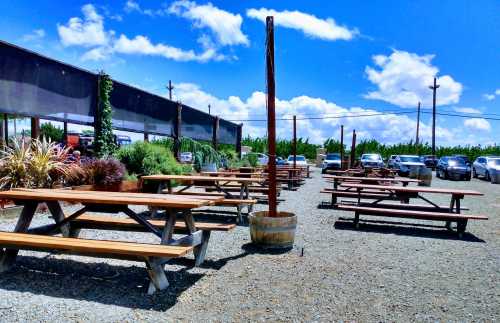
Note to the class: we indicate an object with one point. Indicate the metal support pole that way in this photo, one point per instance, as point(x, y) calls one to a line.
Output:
point(418, 124)
point(35, 128)
point(146, 136)
point(342, 147)
point(271, 116)
point(239, 134)
point(215, 133)
point(65, 132)
point(177, 132)
point(6, 128)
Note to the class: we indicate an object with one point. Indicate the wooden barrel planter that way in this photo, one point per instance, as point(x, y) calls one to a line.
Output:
point(272, 232)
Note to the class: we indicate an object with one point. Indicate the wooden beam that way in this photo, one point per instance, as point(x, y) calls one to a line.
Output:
point(177, 132)
point(239, 133)
point(215, 133)
point(35, 128)
point(271, 116)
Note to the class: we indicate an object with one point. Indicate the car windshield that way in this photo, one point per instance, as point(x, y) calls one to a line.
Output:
point(371, 157)
point(299, 158)
point(333, 157)
point(410, 159)
point(456, 162)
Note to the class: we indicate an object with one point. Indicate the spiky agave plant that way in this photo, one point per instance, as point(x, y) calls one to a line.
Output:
point(48, 164)
point(13, 167)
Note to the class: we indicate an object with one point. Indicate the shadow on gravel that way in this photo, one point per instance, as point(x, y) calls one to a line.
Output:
point(95, 282)
point(250, 248)
point(405, 229)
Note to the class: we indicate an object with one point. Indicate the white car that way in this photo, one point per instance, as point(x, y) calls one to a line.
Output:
point(299, 161)
point(372, 161)
point(332, 161)
point(186, 157)
point(486, 166)
point(404, 163)
point(263, 159)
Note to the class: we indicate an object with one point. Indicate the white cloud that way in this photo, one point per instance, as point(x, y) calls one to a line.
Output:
point(467, 110)
point(497, 92)
point(312, 26)
point(489, 97)
point(403, 79)
point(89, 32)
point(86, 32)
point(36, 34)
point(477, 124)
point(143, 46)
point(133, 6)
point(225, 25)
point(389, 128)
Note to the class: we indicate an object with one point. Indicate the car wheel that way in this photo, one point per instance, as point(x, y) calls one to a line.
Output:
point(445, 174)
point(467, 177)
point(438, 175)
point(323, 171)
point(474, 173)
point(487, 176)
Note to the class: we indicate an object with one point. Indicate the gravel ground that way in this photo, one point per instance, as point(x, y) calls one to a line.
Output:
point(381, 272)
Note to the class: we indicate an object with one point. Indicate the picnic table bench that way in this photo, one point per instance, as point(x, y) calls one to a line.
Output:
point(371, 194)
point(220, 185)
point(431, 211)
point(154, 255)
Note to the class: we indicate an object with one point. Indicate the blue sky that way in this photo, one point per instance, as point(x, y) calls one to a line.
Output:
point(333, 58)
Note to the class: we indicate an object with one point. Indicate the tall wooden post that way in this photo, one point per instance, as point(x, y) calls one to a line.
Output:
point(294, 141)
point(271, 116)
point(239, 134)
point(418, 126)
point(342, 147)
point(146, 136)
point(35, 128)
point(170, 87)
point(434, 88)
point(177, 132)
point(353, 149)
point(215, 133)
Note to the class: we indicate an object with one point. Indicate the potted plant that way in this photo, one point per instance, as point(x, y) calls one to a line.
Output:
point(205, 157)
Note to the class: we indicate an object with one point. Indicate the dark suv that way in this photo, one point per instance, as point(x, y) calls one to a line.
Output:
point(451, 167)
point(430, 161)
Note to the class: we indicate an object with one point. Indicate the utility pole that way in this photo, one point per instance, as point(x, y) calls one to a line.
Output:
point(418, 124)
point(353, 149)
point(342, 147)
point(434, 88)
point(271, 116)
point(209, 109)
point(170, 87)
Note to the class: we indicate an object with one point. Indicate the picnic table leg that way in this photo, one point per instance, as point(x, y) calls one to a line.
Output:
point(8, 256)
point(157, 275)
point(200, 250)
point(168, 230)
point(247, 196)
point(461, 226)
point(58, 216)
point(452, 205)
point(356, 220)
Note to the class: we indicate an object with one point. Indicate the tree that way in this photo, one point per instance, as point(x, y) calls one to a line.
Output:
point(49, 131)
point(104, 140)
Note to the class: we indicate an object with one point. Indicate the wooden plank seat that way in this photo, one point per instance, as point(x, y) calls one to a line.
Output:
point(416, 207)
point(460, 219)
point(372, 195)
point(152, 254)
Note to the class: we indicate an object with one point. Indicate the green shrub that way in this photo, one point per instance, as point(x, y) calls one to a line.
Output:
point(51, 132)
point(143, 158)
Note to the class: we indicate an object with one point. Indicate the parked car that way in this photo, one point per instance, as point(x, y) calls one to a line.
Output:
point(300, 160)
point(404, 163)
point(450, 167)
point(391, 161)
point(186, 157)
point(280, 161)
point(122, 140)
point(465, 158)
point(371, 161)
point(430, 161)
point(262, 159)
point(485, 166)
point(332, 161)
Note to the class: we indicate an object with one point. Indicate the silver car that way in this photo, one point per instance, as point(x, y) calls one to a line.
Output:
point(405, 163)
point(372, 161)
point(485, 166)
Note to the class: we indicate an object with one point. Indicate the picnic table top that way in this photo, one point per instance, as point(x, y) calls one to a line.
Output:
point(203, 178)
point(417, 189)
point(374, 179)
point(114, 198)
point(224, 173)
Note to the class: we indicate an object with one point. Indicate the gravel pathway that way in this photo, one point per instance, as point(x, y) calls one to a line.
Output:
point(381, 272)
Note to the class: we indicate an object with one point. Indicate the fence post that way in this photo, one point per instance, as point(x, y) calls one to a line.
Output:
point(177, 132)
point(239, 131)
point(215, 133)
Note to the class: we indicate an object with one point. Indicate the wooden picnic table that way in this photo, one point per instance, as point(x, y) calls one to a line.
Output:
point(234, 174)
point(155, 256)
point(404, 194)
point(219, 182)
point(371, 180)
